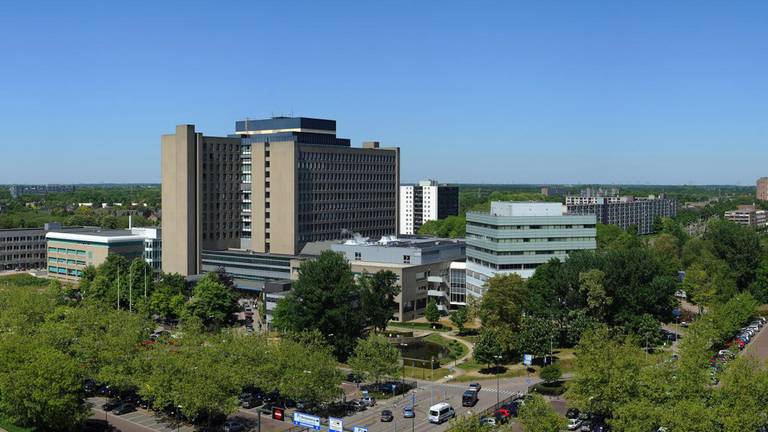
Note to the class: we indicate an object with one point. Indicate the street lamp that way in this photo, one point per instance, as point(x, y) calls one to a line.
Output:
point(178, 419)
point(498, 359)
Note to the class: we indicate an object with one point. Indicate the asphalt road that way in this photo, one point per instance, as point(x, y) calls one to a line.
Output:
point(427, 395)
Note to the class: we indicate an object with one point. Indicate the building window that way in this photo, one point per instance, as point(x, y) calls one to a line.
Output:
point(358, 256)
point(406, 259)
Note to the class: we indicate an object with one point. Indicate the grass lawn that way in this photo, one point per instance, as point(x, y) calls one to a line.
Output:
point(425, 373)
point(474, 371)
point(10, 427)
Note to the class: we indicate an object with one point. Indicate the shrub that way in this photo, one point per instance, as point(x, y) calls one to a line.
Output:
point(551, 373)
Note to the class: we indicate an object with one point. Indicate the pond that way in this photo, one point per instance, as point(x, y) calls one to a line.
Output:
point(423, 351)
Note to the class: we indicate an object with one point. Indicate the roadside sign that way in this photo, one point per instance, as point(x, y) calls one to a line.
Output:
point(527, 359)
point(278, 414)
point(360, 429)
point(306, 420)
point(335, 424)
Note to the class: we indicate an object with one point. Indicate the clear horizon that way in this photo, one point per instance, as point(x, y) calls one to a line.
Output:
point(643, 93)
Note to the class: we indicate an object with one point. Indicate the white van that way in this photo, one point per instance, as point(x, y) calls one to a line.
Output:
point(441, 412)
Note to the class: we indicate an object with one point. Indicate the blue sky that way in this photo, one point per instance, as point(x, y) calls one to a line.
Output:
point(480, 91)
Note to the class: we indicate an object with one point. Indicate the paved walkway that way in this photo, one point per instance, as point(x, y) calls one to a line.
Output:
point(456, 371)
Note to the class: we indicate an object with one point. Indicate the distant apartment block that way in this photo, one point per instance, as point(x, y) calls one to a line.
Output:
point(421, 266)
point(272, 187)
point(517, 237)
point(426, 201)
point(748, 215)
point(624, 211)
point(762, 189)
point(19, 190)
point(25, 248)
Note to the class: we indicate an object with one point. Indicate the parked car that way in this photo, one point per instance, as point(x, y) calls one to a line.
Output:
point(489, 421)
point(368, 400)
point(574, 424)
point(249, 402)
point(90, 387)
point(386, 416)
point(233, 426)
point(408, 412)
point(572, 413)
point(124, 408)
point(357, 405)
point(475, 386)
point(354, 378)
point(110, 405)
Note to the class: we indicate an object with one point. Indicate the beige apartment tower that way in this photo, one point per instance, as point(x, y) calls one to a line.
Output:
point(200, 197)
point(272, 187)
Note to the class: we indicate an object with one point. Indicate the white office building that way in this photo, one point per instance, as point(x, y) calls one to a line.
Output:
point(517, 237)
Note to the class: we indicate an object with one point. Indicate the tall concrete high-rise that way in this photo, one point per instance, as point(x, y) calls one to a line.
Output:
point(272, 187)
point(200, 197)
point(304, 184)
point(762, 189)
point(425, 202)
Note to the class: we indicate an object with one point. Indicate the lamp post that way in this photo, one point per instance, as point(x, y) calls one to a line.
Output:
point(498, 359)
point(432, 379)
point(178, 417)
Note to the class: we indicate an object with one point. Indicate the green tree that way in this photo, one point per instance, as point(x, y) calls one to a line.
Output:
point(39, 386)
point(212, 302)
point(488, 349)
point(551, 373)
point(468, 423)
point(538, 416)
point(742, 396)
point(606, 372)
point(325, 297)
point(536, 336)
point(305, 373)
point(195, 373)
point(375, 358)
point(591, 284)
point(459, 318)
point(738, 246)
point(503, 301)
point(431, 313)
point(378, 292)
point(666, 247)
point(759, 288)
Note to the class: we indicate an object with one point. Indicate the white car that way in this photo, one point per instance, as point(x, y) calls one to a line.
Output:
point(574, 424)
